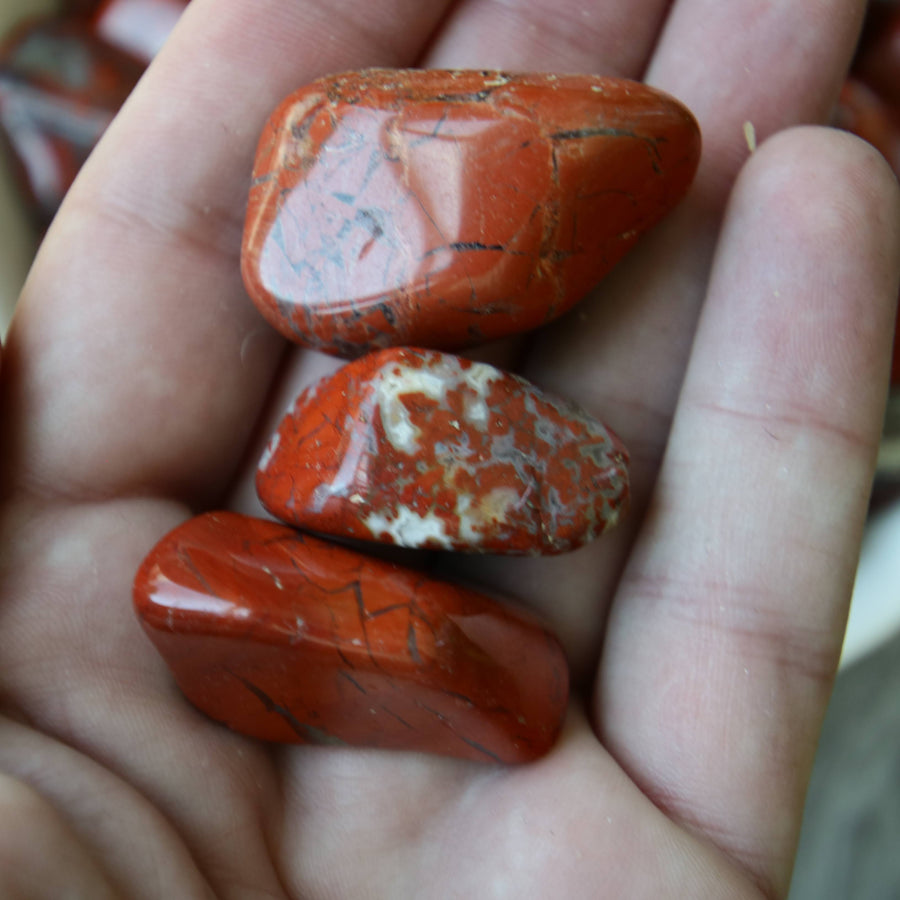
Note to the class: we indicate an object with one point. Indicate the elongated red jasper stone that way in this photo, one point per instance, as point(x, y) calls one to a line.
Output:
point(286, 638)
point(446, 208)
point(423, 449)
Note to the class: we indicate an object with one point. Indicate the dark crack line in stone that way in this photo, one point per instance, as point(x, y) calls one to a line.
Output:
point(459, 246)
point(188, 562)
point(583, 133)
point(476, 746)
point(385, 610)
point(394, 715)
point(430, 218)
point(439, 124)
point(343, 656)
point(307, 732)
point(352, 681)
point(468, 97)
point(577, 134)
point(412, 646)
point(417, 611)
point(468, 700)
point(363, 614)
point(448, 725)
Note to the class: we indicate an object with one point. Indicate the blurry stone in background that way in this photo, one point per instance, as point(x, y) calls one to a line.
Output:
point(60, 87)
point(869, 106)
point(866, 113)
point(66, 66)
point(877, 61)
point(62, 80)
point(139, 27)
point(85, 8)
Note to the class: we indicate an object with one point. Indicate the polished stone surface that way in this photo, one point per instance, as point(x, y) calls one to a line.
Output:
point(424, 449)
point(444, 209)
point(287, 638)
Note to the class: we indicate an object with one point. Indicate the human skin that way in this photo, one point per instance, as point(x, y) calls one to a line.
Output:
point(741, 352)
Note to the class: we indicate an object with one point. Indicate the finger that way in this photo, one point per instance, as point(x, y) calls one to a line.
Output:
point(772, 64)
point(610, 38)
point(75, 825)
point(557, 828)
point(621, 353)
point(134, 324)
point(121, 750)
point(650, 302)
point(41, 857)
point(726, 631)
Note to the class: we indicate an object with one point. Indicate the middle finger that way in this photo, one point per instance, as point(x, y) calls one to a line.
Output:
point(609, 38)
point(621, 353)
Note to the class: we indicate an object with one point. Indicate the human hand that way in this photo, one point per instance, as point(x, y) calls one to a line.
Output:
point(740, 354)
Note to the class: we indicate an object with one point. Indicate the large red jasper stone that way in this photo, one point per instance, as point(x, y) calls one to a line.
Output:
point(423, 449)
point(446, 208)
point(287, 638)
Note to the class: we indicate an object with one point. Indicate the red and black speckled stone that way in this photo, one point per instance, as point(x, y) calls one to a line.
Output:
point(423, 449)
point(287, 638)
point(444, 208)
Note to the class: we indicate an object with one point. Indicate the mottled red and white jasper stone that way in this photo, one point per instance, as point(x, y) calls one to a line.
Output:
point(424, 449)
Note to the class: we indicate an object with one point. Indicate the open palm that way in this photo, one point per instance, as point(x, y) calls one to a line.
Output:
point(740, 351)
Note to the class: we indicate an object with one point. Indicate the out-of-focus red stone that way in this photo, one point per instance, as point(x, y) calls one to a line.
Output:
point(442, 208)
point(864, 112)
point(60, 87)
point(870, 100)
point(286, 638)
point(870, 116)
point(423, 449)
point(85, 8)
point(139, 27)
point(877, 60)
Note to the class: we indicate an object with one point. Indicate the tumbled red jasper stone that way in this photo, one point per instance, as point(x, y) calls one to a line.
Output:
point(445, 208)
point(423, 449)
point(287, 638)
